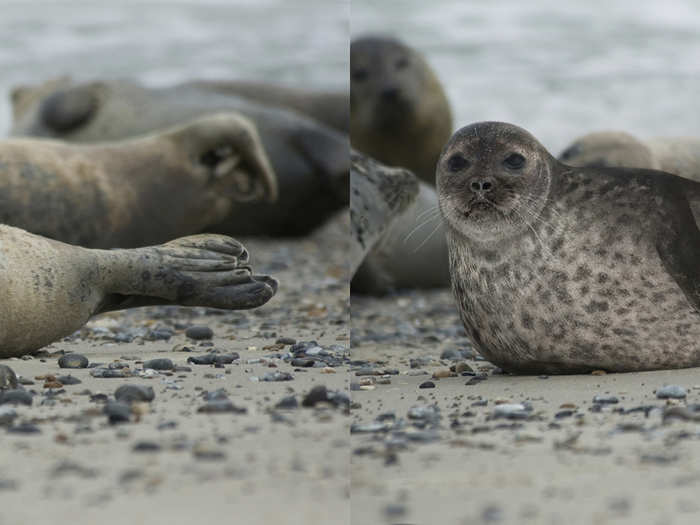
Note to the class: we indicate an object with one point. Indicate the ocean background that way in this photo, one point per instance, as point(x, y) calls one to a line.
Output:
point(298, 42)
point(558, 68)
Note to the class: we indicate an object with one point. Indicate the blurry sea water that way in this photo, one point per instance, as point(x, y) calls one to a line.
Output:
point(298, 42)
point(558, 68)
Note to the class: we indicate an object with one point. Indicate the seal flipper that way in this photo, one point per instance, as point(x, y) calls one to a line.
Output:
point(199, 270)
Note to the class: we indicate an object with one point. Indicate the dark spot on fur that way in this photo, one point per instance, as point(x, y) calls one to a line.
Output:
point(596, 306)
point(582, 272)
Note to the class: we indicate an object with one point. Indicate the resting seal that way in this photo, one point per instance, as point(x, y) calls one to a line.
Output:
point(559, 269)
point(310, 159)
point(399, 112)
point(134, 192)
point(680, 156)
point(51, 289)
point(377, 196)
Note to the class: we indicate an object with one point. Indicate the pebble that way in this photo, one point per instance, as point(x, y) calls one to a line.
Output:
point(317, 394)
point(213, 359)
point(671, 392)
point(463, 367)
point(221, 407)
point(207, 453)
point(287, 402)
point(7, 415)
point(286, 341)
point(117, 412)
point(16, 396)
point(427, 384)
point(605, 400)
point(199, 332)
point(24, 428)
point(110, 373)
point(159, 364)
point(8, 378)
point(73, 361)
point(146, 446)
point(277, 376)
point(132, 393)
point(68, 380)
point(443, 373)
point(511, 411)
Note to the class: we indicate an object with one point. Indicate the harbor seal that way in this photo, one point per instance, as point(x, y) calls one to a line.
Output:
point(50, 289)
point(558, 269)
point(399, 113)
point(311, 160)
point(680, 156)
point(377, 196)
point(134, 192)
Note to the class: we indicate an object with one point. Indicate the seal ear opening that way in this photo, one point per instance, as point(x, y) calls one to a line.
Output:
point(65, 111)
point(223, 163)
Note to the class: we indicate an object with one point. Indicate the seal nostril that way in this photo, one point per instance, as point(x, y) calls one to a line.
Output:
point(476, 186)
point(486, 186)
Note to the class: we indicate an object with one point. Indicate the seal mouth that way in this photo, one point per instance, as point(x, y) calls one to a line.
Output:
point(480, 206)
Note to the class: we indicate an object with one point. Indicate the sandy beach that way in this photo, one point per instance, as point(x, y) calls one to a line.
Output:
point(212, 446)
point(484, 447)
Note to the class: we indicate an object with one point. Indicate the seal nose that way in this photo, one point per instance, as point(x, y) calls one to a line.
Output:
point(390, 94)
point(481, 186)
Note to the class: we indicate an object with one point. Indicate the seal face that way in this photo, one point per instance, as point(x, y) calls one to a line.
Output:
point(559, 269)
point(492, 185)
point(399, 112)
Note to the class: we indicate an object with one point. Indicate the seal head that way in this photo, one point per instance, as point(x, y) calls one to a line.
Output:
point(493, 180)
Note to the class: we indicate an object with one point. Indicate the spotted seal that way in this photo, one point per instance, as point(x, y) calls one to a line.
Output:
point(50, 289)
point(135, 192)
point(558, 269)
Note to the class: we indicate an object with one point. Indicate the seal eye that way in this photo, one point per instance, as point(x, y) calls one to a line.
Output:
point(360, 75)
point(457, 163)
point(402, 63)
point(514, 161)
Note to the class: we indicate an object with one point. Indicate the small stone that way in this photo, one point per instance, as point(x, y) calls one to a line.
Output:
point(24, 428)
point(277, 376)
point(17, 397)
point(605, 400)
point(303, 362)
point(671, 392)
point(7, 415)
point(117, 412)
point(109, 373)
point(443, 373)
point(287, 402)
point(427, 384)
point(68, 380)
point(133, 393)
point(221, 407)
point(199, 332)
point(159, 364)
point(8, 378)
point(511, 411)
point(208, 454)
point(73, 361)
point(463, 367)
point(317, 394)
point(213, 359)
point(286, 341)
point(146, 446)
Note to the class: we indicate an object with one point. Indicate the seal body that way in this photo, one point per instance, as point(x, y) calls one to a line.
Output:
point(399, 113)
point(310, 159)
point(50, 289)
point(558, 269)
point(680, 155)
point(134, 192)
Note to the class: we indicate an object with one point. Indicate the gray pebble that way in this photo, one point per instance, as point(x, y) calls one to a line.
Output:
point(199, 332)
point(671, 392)
point(221, 407)
point(8, 378)
point(605, 400)
point(277, 376)
point(286, 341)
point(159, 364)
point(146, 446)
point(24, 428)
point(68, 380)
point(7, 415)
point(73, 361)
point(287, 402)
point(117, 412)
point(131, 393)
point(109, 373)
point(16, 397)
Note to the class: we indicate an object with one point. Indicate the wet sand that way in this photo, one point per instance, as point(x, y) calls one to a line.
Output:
point(254, 464)
point(462, 453)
